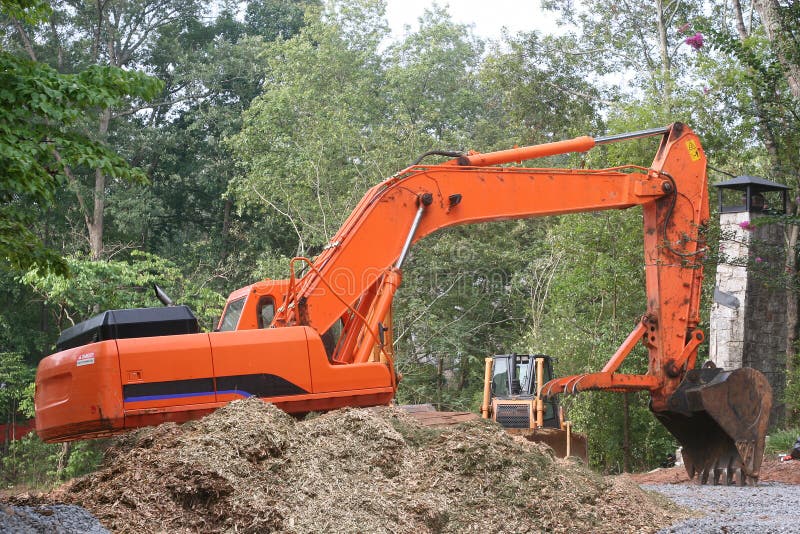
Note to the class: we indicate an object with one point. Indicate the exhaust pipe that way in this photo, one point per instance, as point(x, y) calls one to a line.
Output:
point(162, 296)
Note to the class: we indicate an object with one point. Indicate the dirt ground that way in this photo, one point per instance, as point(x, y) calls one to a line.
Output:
point(772, 470)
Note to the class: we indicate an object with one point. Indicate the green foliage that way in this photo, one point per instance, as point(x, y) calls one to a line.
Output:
point(30, 462)
point(114, 284)
point(33, 463)
point(26, 406)
point(792, 394)
point(314, 127)
point(781, 441)
point(39, 141)
point(83, 457)
point(15, 377)
point(30, 11)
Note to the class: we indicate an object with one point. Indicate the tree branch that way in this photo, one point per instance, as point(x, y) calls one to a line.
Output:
point(75, 188)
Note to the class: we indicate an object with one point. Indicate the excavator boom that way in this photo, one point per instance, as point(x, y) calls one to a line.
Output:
point(319, 341)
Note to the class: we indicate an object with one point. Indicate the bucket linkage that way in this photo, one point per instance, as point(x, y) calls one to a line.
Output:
point(720, 418)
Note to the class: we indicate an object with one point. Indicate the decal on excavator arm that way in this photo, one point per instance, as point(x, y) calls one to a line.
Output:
point(694, 152)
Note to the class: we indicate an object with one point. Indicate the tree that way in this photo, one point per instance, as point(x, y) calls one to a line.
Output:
point(756, 78)
point(781, 28)
point(644, 40)
point(113, 35)
point(41, 142)
point(15, 376)
point(311, 142)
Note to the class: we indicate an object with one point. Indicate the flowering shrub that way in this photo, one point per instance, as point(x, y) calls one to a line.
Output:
point(695, 41)
point(746, 225)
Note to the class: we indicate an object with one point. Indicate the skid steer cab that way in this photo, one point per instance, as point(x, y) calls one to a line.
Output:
point(511, 397)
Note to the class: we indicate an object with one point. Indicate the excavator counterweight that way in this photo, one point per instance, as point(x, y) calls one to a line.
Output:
point(320, 341)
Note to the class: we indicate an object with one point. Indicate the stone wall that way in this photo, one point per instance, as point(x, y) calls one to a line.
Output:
point(765, 318)
point(726, 336)
point(748, 327)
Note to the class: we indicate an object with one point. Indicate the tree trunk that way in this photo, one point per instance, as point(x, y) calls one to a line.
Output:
point(666, 63)
point(62, 459)
point(439, 382)
point(781, 36)
point(95, 226)
point(762, 117)
point(626, 433)
point(791, 236)
point(226, 227)
point(463, 373)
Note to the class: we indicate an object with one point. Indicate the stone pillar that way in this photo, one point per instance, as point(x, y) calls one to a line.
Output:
point(748, 327)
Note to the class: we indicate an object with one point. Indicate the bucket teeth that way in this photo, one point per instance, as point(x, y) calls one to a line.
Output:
point(720, 418)
point(727, 468)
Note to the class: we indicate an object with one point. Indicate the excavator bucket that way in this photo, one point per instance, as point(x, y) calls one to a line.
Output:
point(720, 418)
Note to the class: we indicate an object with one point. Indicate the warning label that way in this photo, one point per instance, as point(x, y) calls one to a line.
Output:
point(85, 359)
point(694, 152)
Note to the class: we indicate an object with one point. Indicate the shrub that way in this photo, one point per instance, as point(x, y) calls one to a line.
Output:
point(781, 441)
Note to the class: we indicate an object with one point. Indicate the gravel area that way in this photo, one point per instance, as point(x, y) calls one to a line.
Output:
point(55, 519)
point(770, 507)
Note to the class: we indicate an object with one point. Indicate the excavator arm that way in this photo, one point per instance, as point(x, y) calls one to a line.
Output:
point(359, 272)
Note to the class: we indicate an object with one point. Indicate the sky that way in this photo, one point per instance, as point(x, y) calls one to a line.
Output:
point(489, 17)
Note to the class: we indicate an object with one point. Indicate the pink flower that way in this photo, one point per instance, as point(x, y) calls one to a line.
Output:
point(695, 41)
point(746, 225)
point(706, 90)
point(683, 28)
point(759, 260)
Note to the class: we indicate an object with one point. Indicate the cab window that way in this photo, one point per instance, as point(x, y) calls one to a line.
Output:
point(500, 378)
point(266, 311)
point(523, 374)
point(232, 314)
point(331, 338)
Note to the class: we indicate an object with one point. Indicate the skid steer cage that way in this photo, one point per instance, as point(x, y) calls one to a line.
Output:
point(720, 418)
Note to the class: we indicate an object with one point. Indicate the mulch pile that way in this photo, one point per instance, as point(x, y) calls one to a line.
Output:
point(249, 467)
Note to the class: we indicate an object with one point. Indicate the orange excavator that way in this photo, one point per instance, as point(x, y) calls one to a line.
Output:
point(323, 340)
